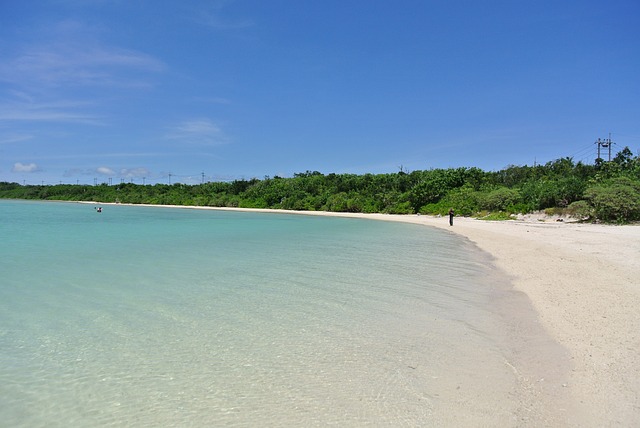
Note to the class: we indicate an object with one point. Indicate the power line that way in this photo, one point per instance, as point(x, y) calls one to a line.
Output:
point(585, 152)
point(606, 144)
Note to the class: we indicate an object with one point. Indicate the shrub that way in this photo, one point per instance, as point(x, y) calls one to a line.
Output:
point(399, 208)
point(580, 209)
point(463, 200)
point(500, 199)
point(617, 200)
point(554, 211)
point(499, 215)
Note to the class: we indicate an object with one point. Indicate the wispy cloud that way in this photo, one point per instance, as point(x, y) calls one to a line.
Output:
point(69, 54)
point(215, 21)
point(199, 131)
point(134, 172)
point(215, 17)
point(22, 167)
point(97, 156)
point(60, 111)
point(14, 138)
point(70, 58)
point(107, 171)
point(75, 65)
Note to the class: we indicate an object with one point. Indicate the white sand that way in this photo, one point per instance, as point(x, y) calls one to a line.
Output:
point(584, 282)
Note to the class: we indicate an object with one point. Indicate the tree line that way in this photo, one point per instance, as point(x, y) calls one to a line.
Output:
point(604, 191)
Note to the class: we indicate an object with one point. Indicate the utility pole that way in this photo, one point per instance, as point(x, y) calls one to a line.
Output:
point(202, 177)
point(605, 144)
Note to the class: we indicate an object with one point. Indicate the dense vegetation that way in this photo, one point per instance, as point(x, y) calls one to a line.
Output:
point(605, 191)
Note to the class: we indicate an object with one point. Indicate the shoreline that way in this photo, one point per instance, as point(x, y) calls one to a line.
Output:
point(582, 280)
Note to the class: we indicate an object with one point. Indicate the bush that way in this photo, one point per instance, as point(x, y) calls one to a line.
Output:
point(580, 209)
point(500, 199)
point(617, 200)
point(399, 208)
point(495, 216)
point(554, 211)
point(463, 200)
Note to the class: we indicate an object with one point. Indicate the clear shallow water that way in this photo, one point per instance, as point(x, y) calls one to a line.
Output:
point(166, 316)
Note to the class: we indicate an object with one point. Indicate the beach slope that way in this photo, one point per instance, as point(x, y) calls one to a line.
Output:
point(584, 282)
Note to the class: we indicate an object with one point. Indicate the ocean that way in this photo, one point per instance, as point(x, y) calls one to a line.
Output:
point(153, 316)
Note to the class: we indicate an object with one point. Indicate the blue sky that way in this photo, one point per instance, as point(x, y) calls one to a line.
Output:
point(122, 90)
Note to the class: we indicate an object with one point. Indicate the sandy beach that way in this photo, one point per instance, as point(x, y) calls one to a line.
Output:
point(583, 281)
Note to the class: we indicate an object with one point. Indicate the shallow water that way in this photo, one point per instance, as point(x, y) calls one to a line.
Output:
point(166, 316)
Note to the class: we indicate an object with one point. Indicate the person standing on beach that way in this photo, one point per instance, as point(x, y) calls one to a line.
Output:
point(451, 217)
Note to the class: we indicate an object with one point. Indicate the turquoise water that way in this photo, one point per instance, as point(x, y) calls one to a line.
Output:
point(142, 316)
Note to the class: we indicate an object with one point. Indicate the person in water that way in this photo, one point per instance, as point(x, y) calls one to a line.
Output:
point(451, 217)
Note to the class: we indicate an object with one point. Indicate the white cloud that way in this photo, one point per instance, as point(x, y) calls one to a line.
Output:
point(103, 170)
point(134, 172)
point(200, 131)
point(21, 167)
